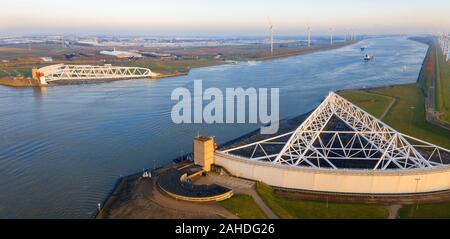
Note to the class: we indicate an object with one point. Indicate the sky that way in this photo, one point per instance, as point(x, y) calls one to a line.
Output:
point(227, 17)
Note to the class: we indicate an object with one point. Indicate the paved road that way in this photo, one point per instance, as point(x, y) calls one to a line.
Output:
point(388, 108)
point(393, 211)
point(258, 200)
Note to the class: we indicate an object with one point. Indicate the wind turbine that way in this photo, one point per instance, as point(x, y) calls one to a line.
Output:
point(309, 36)
point(448, 53)
point(271, 36)
point(448, 48)
point(331, 36)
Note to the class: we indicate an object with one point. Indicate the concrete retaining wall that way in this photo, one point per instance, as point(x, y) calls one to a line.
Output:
point(344, 181)
point(215, 198)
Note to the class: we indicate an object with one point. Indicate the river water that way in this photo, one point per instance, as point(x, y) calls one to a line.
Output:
point(63, 148)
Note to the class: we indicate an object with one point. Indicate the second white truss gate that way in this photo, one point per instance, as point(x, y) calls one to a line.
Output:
point(88, 72)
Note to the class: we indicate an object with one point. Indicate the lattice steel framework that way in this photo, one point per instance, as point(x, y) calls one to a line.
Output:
point(88, 72)
point(444, 43)
point(364, 138)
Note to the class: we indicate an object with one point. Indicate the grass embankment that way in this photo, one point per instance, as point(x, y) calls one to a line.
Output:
point(17, 81)
point(407, 114)
point(442, 86)
point(244, 207)
point(426, 211)
point(373, 103)
point(16, 76)
point(291, 208)
point(13, 72)
point(173, 67)
point(283, 53)
point(428, 71)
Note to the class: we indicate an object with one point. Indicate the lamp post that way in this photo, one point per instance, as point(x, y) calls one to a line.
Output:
point(417, 187)
point(411, 116)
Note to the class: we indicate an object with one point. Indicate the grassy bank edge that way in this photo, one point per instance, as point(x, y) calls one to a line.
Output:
point(303, 209)
point(425, 211)
point(243, 206)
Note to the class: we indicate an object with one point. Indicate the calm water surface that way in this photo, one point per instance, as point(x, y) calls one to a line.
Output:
point(62, 149)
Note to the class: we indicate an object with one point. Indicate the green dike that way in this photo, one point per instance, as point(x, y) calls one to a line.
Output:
point(172, 67)
point(243, 206)
point(407, 115)
point(373, 103)
point(25, 72)
point(442, 86)
point(425, 211)
point(292, 208)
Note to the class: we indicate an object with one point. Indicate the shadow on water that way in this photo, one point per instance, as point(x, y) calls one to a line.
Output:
point(40, 92)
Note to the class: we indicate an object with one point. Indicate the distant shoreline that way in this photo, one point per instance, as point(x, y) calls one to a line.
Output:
point(299, 52)
point(29, 82)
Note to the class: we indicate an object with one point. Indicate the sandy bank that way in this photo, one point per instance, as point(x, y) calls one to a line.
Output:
point(18, 82)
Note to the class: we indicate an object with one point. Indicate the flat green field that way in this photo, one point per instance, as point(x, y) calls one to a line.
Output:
point(244, 207)
point(442, 86)
point(407, 115)
point(426, 211)
point(291, 208)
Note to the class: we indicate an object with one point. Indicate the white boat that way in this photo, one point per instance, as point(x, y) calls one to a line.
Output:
point(252, 63)
point(368, 57)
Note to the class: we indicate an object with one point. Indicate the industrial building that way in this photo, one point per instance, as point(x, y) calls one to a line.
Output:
point(121, 54)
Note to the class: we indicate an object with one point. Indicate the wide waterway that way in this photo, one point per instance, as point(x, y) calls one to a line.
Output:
point(63, 148)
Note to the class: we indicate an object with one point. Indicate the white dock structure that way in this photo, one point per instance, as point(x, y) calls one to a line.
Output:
point(61, 72)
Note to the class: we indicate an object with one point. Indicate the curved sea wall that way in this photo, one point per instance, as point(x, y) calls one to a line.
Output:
point(338, 181)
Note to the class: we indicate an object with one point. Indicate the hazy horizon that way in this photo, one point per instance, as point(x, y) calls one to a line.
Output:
point(206, 18)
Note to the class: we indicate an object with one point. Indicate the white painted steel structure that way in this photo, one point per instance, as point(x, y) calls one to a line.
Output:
point(89, 72)
point(444, 43)
point(397, 182)
point(313, 145)
point(310, 157)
